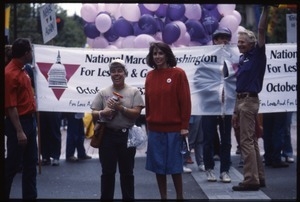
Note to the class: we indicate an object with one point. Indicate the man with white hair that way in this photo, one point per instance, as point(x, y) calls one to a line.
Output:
point(250, 76)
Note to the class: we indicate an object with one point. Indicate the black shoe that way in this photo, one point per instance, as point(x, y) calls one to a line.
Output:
point(46, 162)
point(85, 157)
point(246, 187)
point(72, 159)
point(262, 183)
point(268, 164)
point(280, 164)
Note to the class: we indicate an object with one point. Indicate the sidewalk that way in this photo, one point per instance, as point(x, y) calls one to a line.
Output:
point(82, 180)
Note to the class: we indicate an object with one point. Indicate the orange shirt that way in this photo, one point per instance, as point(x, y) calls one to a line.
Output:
point(18, 90)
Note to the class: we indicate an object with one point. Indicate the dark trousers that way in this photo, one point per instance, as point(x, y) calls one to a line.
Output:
point(113, 152)
point(50, 123)
point(274, 125)
point(75, 136)
point(25, 156)
point(209, 125)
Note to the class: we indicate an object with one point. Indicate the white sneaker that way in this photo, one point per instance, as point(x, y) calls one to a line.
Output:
point(186, 169)
point(201, 167)
point(225, 177)
point(55, 162)
point(211, 176)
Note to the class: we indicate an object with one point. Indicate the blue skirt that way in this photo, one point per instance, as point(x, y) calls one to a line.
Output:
point(163, 153)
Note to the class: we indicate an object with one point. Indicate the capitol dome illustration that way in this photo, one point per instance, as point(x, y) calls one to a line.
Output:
point(57, 75)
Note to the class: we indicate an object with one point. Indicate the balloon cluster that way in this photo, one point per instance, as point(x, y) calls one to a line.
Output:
point(136, 25)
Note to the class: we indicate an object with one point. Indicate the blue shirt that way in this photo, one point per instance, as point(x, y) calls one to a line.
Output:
point(251, 70)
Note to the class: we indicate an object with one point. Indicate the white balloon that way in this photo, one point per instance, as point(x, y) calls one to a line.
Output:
point(118, 42)
point(100, 42)
point(143, 41)
point(101, 7)
point(89, 12)
point(103, 22)
point(193, 11)
point(230, 22)
point(130, 12)
point(237, 15)
point(111, 8)
point(183, 41)
point(112, 47)
point(128, 42)
point(225, 9)
point(152, 7)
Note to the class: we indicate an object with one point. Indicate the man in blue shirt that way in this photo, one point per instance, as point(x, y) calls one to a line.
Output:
point(249, 82)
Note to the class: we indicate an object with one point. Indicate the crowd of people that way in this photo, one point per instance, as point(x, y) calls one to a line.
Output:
point(168, 122)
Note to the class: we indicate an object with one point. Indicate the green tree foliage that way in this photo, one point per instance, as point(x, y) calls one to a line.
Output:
point(27, 24)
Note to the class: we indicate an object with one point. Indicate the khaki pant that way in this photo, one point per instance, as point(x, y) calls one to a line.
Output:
point(246, 110)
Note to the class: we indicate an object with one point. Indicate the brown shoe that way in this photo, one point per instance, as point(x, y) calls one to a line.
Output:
point(246, 187)
point(189, 160)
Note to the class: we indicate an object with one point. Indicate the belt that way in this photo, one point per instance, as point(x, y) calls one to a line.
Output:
point(123, 130)
point(243, 95)
point(26, 116)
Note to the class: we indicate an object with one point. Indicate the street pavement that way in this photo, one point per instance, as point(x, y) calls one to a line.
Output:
point(81, 180)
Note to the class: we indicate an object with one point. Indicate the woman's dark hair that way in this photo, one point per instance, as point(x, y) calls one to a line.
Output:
point(165, 48)
point(20, 47)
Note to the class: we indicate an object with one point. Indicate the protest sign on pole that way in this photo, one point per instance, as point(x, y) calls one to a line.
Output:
point(48, 22)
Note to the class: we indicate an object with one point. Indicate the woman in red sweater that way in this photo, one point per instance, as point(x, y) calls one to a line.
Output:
point(168, 110)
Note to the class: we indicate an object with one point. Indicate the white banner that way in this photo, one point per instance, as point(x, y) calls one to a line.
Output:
point(48, 22)
point(68, 79)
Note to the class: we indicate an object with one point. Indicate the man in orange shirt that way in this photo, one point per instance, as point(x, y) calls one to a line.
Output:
point(20, 124)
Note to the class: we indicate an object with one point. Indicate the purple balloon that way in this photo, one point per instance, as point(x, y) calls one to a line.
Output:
point(203, 40)
point(144, 10)
point(215, 13)
point(170, 33)
point(183, 19)
point(210, 24)
point(211, 13)
point(91, 31)
point(136, 29)
point(161, 12)
point(209, 6)
point(175, 11)
point(147, 23)
point(159, 24)
point(122, 27)
point(110, 35)
point(195, 29)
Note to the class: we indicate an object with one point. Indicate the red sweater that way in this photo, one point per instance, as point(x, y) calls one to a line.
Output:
point(168, 100)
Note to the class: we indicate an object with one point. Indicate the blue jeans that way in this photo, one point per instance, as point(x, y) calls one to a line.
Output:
point(75, 136)
point(287, 149)
point(274, 125)
point(112, 153)
point(209, 125)
point(196, 138)
point(26, 156)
